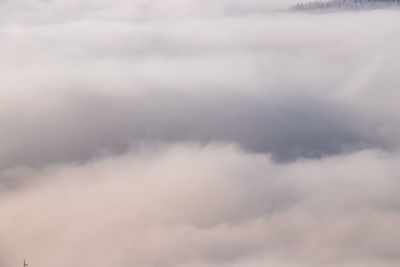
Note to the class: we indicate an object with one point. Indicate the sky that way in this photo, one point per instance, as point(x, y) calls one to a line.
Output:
point(198, 133)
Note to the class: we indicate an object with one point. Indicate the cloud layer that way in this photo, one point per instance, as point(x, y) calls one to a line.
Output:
point(189, 205)
point(198, 133)
point(287, 84)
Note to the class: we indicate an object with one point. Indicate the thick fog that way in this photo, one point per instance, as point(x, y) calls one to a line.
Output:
point(199, 133)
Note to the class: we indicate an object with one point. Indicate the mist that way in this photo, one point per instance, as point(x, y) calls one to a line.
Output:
point(198, 133)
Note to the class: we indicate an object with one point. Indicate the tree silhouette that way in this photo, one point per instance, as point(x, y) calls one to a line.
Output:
point(346, 4)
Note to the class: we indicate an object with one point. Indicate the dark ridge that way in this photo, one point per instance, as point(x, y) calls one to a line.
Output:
point(346, 4)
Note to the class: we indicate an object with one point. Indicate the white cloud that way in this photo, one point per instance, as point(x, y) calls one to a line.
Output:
point(293, 84)
point(114, 114)
point(189, 205)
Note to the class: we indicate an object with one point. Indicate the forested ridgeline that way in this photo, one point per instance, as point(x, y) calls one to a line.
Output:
point(346, 4)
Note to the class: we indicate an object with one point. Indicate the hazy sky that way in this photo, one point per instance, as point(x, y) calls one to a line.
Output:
point(198, 133)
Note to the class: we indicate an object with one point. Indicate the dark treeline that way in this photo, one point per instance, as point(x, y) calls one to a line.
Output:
point(346, 4)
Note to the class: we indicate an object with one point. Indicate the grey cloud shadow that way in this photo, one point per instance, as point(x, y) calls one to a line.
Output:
point(89, 124)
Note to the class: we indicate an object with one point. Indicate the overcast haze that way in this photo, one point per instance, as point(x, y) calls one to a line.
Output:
point(199, 133)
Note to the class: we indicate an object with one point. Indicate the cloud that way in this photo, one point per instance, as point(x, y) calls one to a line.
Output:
point(50, 11)
point(290, 84)
point(198, 133)
point(189, 205)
